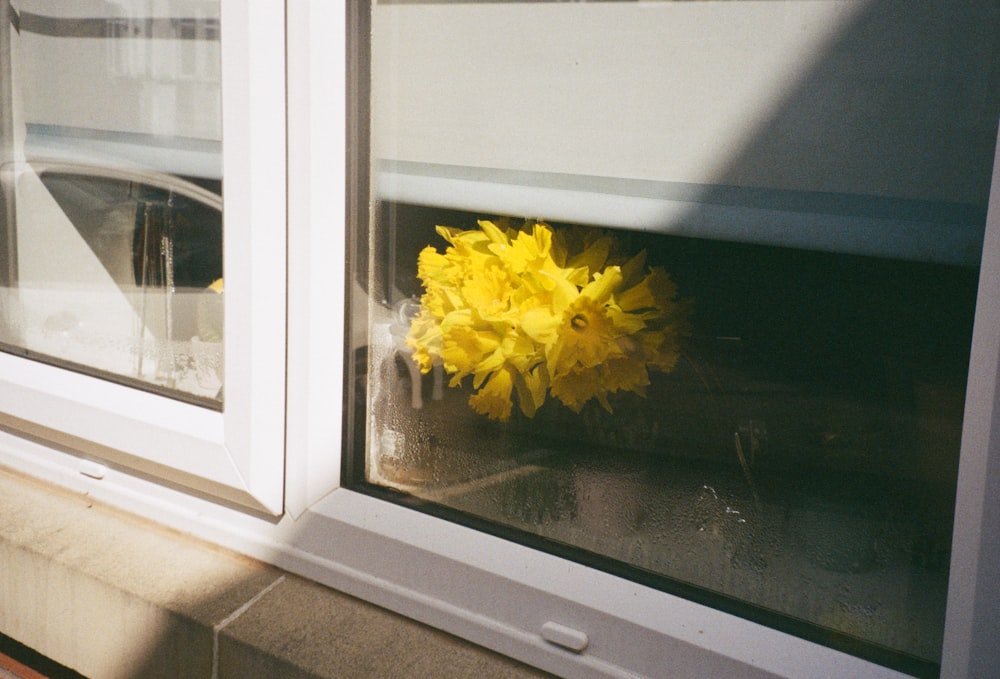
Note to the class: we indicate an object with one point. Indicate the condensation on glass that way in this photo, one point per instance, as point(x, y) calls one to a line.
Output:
point(684, 291)
point(111, 220)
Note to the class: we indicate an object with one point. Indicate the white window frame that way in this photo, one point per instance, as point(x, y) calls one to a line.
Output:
point(474, 585)
point(501, 594)
point(235, 455)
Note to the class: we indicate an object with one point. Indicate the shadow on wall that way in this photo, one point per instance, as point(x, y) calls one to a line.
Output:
point(903, 103)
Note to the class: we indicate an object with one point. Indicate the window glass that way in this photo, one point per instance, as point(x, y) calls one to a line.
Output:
point(111, 229)
point(684, 292)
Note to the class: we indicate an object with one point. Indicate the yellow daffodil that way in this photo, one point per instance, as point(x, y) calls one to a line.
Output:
point(540, 311)
point(488, 290)
point(493, 400)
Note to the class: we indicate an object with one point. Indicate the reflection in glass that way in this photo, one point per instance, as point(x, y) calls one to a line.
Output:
point(111, 169)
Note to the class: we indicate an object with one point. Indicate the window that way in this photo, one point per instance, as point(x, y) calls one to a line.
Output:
point(120, 126)
point(695, 312)
point(114, 217)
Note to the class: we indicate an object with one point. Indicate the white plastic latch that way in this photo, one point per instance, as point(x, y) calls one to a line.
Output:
point(94, 470)
point(567, 637)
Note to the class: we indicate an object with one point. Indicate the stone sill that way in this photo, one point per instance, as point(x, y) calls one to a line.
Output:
point(114, 596)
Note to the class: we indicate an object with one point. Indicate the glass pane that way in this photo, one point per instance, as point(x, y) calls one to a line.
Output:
point(111, 238)
point(688, 304)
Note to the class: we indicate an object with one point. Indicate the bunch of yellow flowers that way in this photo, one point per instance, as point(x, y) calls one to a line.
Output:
point(542, 311)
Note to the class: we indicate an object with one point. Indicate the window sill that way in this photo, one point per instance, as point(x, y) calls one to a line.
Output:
point(112, 595)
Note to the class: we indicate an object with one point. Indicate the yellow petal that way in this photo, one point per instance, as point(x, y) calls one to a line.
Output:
point(604, 284)
point(463, 346)
point(541, 324)
point(493, 232)
point(424, 337)
point(487, 366)
point(531, 387)
point(595, 256)
point(656, 291)
point(576, 387)
point(488, 290)
point(625, 374)
point(493, 400)
point(632, 269)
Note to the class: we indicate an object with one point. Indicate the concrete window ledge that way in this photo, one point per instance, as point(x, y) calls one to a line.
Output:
point(114, 596)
